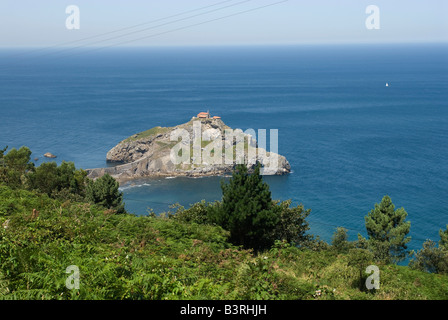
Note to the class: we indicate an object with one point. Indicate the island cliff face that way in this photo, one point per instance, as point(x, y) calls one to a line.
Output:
point(150, 153)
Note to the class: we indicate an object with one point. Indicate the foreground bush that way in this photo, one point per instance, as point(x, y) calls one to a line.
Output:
point(122, 256)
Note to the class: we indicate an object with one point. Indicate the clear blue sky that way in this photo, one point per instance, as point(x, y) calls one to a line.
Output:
point(42, 23)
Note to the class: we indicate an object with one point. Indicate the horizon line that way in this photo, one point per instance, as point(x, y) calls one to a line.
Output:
point(329, 43)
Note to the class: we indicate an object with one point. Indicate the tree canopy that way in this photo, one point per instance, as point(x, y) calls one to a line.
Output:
point(105, 192)
point(387, 230)
point(247, 209)
point(14, 165)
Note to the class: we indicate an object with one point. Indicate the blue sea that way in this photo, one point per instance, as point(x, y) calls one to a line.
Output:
point(349, 138)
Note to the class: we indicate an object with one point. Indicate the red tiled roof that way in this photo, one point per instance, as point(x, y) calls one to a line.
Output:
point(203, 115)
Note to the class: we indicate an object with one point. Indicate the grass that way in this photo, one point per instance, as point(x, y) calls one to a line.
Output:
point(165, 145)
point(148, 133)
point(162, 130)
point(144, 257)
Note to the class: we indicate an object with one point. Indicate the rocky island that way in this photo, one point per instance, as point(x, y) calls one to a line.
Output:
point(204, 150)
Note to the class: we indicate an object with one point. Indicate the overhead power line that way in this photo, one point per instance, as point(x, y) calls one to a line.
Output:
point(70, 51)
point(118, 30)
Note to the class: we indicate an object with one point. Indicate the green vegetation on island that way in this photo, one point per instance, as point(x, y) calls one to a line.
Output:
point(246, 246)
point(148, 133)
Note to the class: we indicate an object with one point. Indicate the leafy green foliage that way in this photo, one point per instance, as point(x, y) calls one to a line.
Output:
point(340, 240)
point(291, 225)
point(432, 258)
point(50, 179)
point(46, 226)
point(443, 238)
point(104, 191)
point(14, 165)
point(247, 210)
point(287, 223)
point(360, 259)
point(198, 212)
point(18, 160)
point(142, 257)
point(2, 153)
point(17, 171)
point(387, 231)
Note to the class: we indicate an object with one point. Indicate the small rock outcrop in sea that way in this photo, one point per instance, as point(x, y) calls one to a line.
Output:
point(49, 155)
point(153, 152)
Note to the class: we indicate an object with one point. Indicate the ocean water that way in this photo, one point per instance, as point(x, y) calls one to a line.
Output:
point(350, 140)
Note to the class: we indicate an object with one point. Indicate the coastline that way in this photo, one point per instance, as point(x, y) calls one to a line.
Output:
point(208, 147)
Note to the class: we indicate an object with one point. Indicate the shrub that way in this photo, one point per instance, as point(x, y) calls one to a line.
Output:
point(431, 258)
point(340, 240)
point(198, 212)
point(14, 165)
point(247, 210)
point(292, 225)
point(387, 230)
point(53, 180)
point(360, 259)
point(105, 192)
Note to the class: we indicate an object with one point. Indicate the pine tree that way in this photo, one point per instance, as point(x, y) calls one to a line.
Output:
point(247, 210)
point(387, 230)
point(444, 238)
point(340, 240)
point(14, 165)
point(104, 191)
point(50, 179)
point(431, 258)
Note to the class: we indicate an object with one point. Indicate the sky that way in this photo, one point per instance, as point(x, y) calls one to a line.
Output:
point(30, 23)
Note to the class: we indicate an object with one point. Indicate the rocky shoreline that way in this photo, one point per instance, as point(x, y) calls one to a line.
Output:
point(150, 153)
